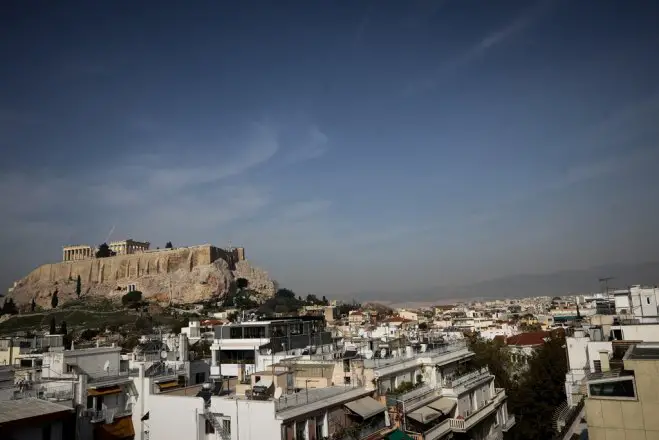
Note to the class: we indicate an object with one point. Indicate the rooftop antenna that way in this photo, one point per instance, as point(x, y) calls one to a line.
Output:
point(606, 280)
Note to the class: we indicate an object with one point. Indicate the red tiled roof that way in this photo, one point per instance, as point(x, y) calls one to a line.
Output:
point(526, 339)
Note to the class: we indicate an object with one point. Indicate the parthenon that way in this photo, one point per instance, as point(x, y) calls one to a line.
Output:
point(77, 252)
point(85, 252)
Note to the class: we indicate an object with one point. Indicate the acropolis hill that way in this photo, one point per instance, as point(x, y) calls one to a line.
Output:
point(182, 275)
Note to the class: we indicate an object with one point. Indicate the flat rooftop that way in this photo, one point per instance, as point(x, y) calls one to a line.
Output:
point(13, 410)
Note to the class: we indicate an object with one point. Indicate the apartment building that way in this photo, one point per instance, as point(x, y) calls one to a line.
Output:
point(623, 400)
point(304, 415)
point(240, 349)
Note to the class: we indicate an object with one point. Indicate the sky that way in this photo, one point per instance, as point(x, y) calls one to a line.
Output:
point(349, 146)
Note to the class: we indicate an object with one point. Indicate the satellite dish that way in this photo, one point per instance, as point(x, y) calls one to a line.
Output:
point(278, 393)
point(106, 366)
point(163, 354)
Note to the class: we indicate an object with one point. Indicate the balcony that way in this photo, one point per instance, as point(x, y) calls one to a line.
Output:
point(496, 435)
point(107, 415)
point(509, 423)
point(461, 384)
point(446, 353)
point(473, 417)
point(438, 431)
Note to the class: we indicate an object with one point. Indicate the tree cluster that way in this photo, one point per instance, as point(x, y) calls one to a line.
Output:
point(104, 251)
point(539, 390)
point(9, 307)
point(132, 299)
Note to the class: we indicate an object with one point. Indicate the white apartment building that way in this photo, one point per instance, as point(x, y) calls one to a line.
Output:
point(309, 415)
point(240, 349)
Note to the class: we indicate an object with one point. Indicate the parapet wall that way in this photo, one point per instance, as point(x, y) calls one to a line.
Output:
point(107, 270)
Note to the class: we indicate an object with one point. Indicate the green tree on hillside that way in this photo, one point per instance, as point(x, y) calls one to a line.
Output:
point(169, 245)
point(53, 328)
point(54, 300)
point(9, 307)
point(132, 299)
point(325, 301)
point(33, 305)
point(78, 287)
point(62, 328)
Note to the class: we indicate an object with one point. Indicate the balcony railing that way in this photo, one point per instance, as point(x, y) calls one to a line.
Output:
point(472, 417)
point(107, 376)
point(55, 393)
point(107, 415)
point(466, 381)
point(412, 360)
point(496, 435)
point(438, 431)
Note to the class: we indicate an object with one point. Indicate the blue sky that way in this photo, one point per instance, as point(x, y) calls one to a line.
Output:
point(349, 146)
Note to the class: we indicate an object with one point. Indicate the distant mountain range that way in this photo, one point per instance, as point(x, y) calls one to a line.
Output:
point(516, 286)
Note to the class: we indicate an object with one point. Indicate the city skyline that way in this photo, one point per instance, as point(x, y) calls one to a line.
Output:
point(349, 147)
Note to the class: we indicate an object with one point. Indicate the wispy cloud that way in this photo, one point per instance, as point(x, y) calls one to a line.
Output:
point(489, 41)
point(162, 197)
point(311, 144)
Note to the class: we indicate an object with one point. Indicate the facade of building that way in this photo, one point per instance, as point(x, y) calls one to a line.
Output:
point(77, 252)
point(240, 349)
point(36, 419)
point(623, 403)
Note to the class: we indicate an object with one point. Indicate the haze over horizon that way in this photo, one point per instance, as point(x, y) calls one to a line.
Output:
point(348, 146)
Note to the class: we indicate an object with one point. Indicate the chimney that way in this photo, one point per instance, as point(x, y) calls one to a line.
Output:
point(604, 361)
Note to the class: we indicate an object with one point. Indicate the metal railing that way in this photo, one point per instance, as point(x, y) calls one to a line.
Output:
point(55, 393)
point(304, 397)
point(472, 375)
point(432, 353)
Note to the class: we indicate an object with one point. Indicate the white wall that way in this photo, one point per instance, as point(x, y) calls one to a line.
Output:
point(577, 352)
point(594, 349)
point(181, 417)
point(175, 417)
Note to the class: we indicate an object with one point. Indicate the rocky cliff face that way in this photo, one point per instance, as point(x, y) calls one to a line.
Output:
point(185, 275)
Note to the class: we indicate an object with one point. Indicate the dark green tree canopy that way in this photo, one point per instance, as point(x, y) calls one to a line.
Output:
point(54, 300)
point(169, 245)
point(78, 287)
point(242, 283)
point(104, 251)
point(132, 299)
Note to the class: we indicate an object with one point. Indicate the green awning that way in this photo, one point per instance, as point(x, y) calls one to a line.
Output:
point(398, 435)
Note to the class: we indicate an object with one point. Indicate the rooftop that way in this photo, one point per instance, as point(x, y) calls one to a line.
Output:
point(13, 410)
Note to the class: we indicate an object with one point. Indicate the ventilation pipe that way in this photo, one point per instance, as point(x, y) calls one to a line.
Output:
point(182, 347)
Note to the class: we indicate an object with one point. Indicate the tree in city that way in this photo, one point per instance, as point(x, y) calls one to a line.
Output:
point(54, 299)
point(169, 245)
point(104, 251)
point(33, 305)
point(325, 301)
point(78, 287)
point(541, 390)
point(494, 355)
point(242, 283)
point(63, 329)
point(53, 327)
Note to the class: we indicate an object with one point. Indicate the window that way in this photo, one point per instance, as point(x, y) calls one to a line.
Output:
point(226, 425)
point(300, 430)
point(254, 332)
point(236, 333)
point(200, 377)
point(647, 300)
point(618, 387)
point(320, 421)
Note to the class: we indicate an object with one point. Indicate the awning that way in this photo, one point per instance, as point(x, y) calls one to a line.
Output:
point(168, 384)
point(443, 405)
point(120, 429)
point(366, 407)
point(424, 415)
point(104, 391)
point(398, 435)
